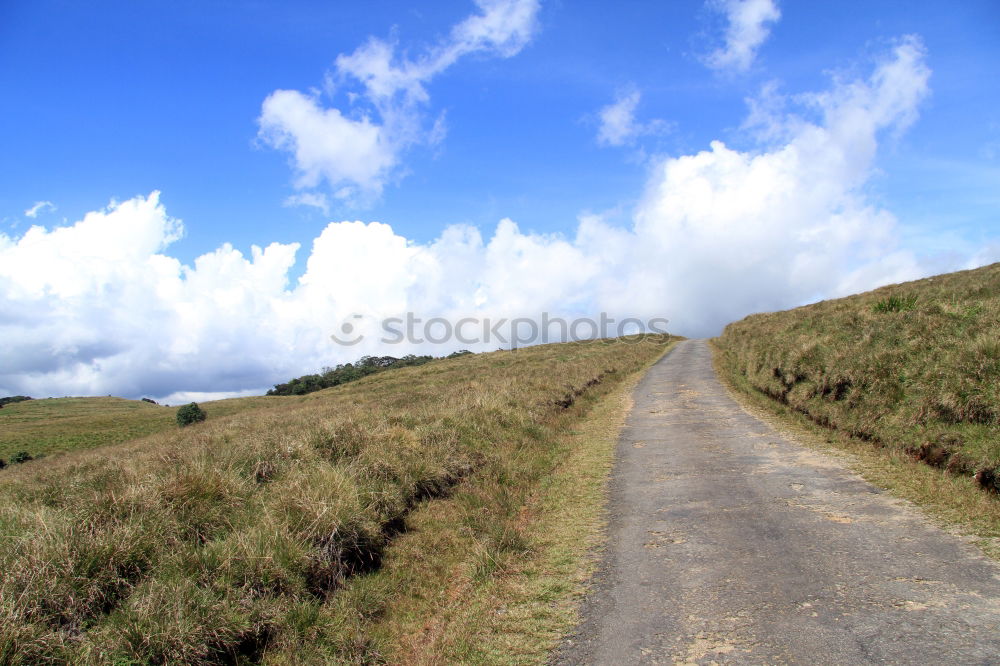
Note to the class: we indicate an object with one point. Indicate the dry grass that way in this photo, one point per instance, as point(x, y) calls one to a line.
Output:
point(912, 368)
point(323, 531)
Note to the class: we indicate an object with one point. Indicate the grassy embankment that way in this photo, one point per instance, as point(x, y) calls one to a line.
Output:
point(908, 372)
point(426, 515)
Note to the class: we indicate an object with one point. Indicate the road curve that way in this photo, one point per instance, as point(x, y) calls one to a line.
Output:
point(730, 544)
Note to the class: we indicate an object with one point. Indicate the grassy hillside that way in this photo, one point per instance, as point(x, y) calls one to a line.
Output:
point(913, 367)
point(357, 524)
point(52, 425)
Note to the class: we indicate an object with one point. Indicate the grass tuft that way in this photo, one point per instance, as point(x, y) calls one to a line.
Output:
point(895, 303)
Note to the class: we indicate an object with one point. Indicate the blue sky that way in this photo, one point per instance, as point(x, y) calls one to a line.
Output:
point(497, 111)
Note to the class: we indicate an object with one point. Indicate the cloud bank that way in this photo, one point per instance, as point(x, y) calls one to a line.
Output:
point(101, 307)
point(356, 152)
point(748, 26)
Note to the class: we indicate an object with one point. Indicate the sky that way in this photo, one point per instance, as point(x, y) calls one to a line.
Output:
point(195, 196)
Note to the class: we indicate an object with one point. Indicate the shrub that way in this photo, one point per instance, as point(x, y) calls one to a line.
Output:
point(20, 457)
point(150, 401)
point(190, 413)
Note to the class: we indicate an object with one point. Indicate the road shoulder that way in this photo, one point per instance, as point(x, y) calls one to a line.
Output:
point(953, 503)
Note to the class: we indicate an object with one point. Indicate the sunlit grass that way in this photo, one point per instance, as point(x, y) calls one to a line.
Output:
point(913, 370)
point(318, 531)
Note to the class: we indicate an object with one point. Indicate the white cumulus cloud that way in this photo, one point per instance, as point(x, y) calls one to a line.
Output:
point(747, 26)
point(356, 152)
point(326, 145)
point(101, 307)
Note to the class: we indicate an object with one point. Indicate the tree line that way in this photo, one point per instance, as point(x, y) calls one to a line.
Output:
point(348, 372)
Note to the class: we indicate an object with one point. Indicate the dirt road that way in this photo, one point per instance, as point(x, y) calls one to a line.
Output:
point(729, 544)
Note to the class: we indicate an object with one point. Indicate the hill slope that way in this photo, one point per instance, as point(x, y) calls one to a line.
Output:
point(54, 425)
point(259, 537)
point(914, 366)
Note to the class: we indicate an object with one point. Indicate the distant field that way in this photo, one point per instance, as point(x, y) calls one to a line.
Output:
point(913, 367)
point(53, 425)
point(434, 514)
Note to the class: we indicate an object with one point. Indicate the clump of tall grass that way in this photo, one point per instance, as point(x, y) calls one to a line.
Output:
point(259, 536)
point(919, 373)
point(895, 303)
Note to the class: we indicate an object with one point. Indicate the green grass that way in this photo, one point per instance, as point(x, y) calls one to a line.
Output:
point(895, 303)
point(376, 522)
point(912, 369)
point(54, 425)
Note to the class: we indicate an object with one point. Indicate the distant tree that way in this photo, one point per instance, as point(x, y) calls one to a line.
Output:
point(190, 413)
point(12, 399)
point(151, 401)
point(460, 352)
